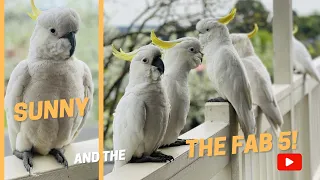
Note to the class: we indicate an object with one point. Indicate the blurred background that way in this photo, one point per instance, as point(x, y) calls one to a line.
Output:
point(128, 25)
point(19, 27)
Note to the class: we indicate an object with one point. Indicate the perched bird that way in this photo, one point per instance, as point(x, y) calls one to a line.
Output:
point(49, 73)
point(302, 60)
point(225, 69)
point(180, 57)
point(261, 85)
point(142, 114)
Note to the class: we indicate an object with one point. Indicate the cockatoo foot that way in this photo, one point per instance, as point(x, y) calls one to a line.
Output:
point(58, 155)
point(154, 157)
point(178, 142)
point(26, 157)
point(218, 99)
point(161, 155)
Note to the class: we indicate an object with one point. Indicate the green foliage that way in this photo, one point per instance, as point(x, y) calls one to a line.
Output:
point(248, 13)
point(309, 31)
point(309, 26)
point(199, 94)
point(263, 46)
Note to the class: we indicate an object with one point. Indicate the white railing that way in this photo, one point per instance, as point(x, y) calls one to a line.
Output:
point(46, 167)
point(221, 121)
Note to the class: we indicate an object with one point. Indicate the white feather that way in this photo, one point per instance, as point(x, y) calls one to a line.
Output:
point(49, 73)
point(261, 85)
point(179, 60)
point(226, 71)
point(141, 116)
point(303, 61)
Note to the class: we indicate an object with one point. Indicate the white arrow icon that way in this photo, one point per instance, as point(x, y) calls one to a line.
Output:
point(288, 162)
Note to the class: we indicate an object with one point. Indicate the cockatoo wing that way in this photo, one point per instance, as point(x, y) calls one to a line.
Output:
point(259, 78)
point(238, 90)
point(18, 81)
point(271, 109)
point(262, 91)
point(302, 56)
point(128, 127)
point(88, 92)
point(269, 106)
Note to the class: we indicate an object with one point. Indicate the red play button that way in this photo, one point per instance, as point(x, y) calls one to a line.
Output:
point(289, 162)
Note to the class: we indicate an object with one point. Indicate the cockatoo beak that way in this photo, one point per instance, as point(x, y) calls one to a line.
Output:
point(226, 19)
point(254, 31)
point(72, 39)
point(201, 56)
point(157, 62)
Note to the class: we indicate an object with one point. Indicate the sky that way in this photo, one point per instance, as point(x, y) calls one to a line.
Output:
point(303, 7)
point(122, 12)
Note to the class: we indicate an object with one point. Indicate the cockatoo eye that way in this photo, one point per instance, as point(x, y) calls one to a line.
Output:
point(145, 60)
point(208, 30)
point(52, 30)
point(191, 49)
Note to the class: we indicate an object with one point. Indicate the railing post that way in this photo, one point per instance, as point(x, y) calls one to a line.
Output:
point(314, 132)
point(303, 143)
point(283, 63)
point(235, 158)
point(282, 41)
point(224, 112)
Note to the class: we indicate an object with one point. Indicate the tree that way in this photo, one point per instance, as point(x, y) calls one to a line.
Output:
point(309, 31)
point(248, 13)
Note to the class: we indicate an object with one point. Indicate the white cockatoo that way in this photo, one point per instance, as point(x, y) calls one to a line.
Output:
point(180, 56)
point(49, 73)
point(261, 85)
point(225, 69)
point(142, 114)
point(302, 60)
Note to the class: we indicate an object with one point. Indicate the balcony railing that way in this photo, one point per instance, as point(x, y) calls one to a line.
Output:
point(46, 167)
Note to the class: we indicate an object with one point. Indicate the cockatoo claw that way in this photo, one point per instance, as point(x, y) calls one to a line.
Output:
point(26, 157)
point(144, 159)
point(218, 99)
point(163, 156)
point(154, 157)
point(297, 72)
point(58, 155)
point(178, 142)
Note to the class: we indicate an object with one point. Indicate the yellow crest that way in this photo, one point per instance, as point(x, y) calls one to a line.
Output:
point(35, 11)
point(295, 29)
point(162, 44)
point(122, 54)
point(254, 31)
point(226, 19)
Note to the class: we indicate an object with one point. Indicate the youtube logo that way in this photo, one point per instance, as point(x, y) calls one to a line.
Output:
point(289, 162)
